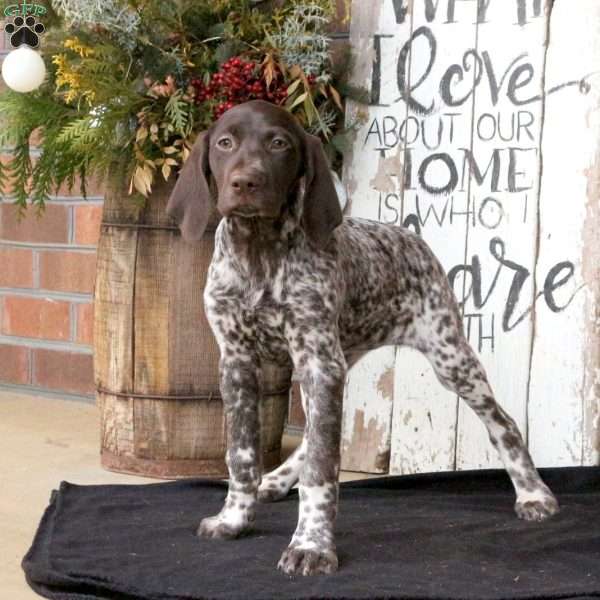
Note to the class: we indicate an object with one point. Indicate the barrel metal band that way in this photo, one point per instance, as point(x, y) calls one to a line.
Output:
point(210, 396)
point(144, 226)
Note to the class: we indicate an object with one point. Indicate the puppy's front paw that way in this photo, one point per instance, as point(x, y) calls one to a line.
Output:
point(305, 561)
point(218, 528)
point(537, 509)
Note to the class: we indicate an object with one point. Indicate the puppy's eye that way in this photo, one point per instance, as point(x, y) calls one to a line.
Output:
point(225, 143)
point(279, 144)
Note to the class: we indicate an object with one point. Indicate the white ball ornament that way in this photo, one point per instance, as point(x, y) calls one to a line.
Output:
point(23, 69)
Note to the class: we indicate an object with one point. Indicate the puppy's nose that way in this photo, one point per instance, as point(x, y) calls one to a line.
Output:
point(244, 183)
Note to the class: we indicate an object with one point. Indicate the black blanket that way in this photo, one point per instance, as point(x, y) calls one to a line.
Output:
point(449, 535)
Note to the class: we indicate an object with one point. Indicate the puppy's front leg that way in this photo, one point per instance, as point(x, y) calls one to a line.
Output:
point(240, 393)
point(312, 549)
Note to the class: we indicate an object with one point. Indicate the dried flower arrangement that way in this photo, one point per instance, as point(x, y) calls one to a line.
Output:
point(132, 82)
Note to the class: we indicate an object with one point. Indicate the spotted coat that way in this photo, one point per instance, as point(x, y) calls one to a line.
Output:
point(279, 292)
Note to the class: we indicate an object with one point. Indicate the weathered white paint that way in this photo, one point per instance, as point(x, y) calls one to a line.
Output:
point(369, 396)
point(504, 215)
point(565, 377)
point(532, 234)
point(366, 428)
point(423, 418)
point(418, 445)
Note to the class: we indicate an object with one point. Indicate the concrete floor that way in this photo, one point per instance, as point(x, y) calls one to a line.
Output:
point(44, 441)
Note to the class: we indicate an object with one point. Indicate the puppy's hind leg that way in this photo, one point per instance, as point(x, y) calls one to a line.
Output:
point(276, 485)
point(459, 370)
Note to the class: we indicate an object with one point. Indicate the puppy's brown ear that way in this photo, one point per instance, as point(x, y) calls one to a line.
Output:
point(190, 202)
point(322, 212)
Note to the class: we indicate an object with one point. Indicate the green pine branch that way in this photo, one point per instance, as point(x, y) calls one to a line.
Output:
point(178, 113)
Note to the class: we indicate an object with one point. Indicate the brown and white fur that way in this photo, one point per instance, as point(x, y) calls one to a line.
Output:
point(294, 283)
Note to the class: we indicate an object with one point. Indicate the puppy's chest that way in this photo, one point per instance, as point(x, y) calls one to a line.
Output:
point(266, 313)
point(257, 305)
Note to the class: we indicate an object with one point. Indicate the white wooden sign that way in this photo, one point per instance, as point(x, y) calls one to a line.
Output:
point(483, 135)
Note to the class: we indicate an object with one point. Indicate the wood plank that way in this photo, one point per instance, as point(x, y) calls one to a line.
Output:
point(435, 205)
point(113, 309)
point(424, 431)
point(193, 351)
point(113, 313)
point(367, 401)
point(366, 428)
point(503, 227)
point(565, 378)
point(153, 418)
point(193, 355)
point(525, 259)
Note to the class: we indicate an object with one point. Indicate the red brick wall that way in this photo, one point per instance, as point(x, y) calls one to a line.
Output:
point(47, 271)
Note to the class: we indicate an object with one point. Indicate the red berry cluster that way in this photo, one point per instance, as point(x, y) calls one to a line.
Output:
point(239, 81)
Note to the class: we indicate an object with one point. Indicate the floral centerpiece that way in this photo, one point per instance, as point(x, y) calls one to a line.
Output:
point(132, 82)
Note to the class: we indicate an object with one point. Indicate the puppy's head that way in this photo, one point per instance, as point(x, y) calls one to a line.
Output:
point(250, 163)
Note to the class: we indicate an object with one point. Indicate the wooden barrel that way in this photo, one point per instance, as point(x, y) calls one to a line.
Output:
point(155, 358)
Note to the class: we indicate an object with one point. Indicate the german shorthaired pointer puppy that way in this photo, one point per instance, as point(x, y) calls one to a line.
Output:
point(292, 282)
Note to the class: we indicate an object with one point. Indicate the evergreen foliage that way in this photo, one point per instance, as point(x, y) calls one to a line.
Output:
point(124, 81)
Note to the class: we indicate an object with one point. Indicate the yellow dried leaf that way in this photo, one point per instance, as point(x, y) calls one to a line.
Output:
point(299, 99)
point(293, 87)
point(270, 72)
point(269, 67)
point(141, 134)
point(336, 97)
point(141, 181)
